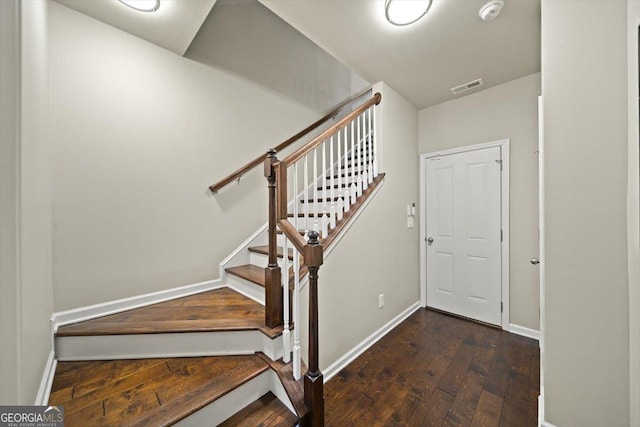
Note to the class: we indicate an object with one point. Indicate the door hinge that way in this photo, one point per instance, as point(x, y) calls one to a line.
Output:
point(500, 163)
point(501, 307)
point(501, 235)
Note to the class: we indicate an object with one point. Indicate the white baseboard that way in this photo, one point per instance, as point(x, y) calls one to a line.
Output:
point(525, 332)
point(541, 421)
point(112, 307)
point(47, 379)
point(360, 348)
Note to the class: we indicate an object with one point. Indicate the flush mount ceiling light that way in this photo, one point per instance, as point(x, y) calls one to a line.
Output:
point(490, 10)
point(405, 12)
point(142, 5)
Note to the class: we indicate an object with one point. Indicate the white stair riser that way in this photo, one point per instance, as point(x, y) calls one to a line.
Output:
point(237, 399)
point(187, 344)
point(229, 404)
point(262, 260)
point(246, 287)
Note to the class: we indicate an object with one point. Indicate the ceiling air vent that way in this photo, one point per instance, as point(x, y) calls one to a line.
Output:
point(467, 86)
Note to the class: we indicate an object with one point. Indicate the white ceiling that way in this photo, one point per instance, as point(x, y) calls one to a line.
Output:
point(173, 26)
point(450, 46)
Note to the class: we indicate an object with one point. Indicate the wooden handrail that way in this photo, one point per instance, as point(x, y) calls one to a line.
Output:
point(297, 155)
point(260, 159)
point(312, 250)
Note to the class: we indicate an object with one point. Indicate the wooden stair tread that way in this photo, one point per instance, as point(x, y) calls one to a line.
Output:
point(249, 272)
point(328, 186)
point(311, 215)
point(267, 411)
point(265, 251)
point(146, 391)
point(363, 163)
point(294, 389)
point(219, 310)
point(333, 233)
point(343, 175)
point(320, 199)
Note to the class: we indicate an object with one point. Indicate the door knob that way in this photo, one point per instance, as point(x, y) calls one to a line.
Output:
point(535, 261)
point(429, 241)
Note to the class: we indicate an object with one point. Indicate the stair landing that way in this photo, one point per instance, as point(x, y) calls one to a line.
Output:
point(218, 310)
point(146, 391)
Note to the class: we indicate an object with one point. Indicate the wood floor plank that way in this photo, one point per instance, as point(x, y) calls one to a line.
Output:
point(438, 370)
point(488, 410)
point(515, 410)
point(457, 369)
point(150, 391)
point(218, 310)
point(267, 411)
point(432, 370)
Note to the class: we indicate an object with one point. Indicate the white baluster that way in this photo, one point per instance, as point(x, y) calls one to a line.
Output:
point(296, 205)
point(297, 368)
point(354, 186)
point(363, 153)
point(286, 338)
point(306, 196)
point(324, 222)
point(359, 157)
point(340, 204)
point(375, 147)
point(370, 147)
point(332, 210)
point(314, 180)
point(345, 171)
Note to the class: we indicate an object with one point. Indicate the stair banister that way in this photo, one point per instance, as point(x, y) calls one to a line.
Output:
point(309, 243)
point(313, 379)
point(273, 289)
point(235, 176)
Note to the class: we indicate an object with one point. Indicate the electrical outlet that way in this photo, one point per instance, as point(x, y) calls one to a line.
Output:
point(410, 222)
point(380, 300)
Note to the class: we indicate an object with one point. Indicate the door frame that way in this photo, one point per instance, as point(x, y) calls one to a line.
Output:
point(504, 209)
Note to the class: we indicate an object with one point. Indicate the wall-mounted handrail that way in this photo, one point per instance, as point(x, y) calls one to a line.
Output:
point(260, 159)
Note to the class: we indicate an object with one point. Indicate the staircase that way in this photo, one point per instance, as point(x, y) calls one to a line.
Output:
point(231, 356)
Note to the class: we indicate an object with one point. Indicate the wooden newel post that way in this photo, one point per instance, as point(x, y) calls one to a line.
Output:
point(313, 380)
point(272, 283)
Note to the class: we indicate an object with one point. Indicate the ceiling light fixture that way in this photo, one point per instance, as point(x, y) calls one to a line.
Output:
point(490, 10)
point(142, 5)
point(405, 12)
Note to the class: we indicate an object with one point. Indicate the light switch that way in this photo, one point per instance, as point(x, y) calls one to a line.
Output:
point(410, 222)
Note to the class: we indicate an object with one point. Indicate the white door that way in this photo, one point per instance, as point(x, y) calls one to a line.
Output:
point(463, 229)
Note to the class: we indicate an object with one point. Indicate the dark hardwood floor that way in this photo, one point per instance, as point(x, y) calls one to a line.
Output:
point(217, 310)
point(149, 392)
point(438, 370)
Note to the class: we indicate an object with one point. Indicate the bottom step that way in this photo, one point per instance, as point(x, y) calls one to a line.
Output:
point(266, 411)
point(153, 391)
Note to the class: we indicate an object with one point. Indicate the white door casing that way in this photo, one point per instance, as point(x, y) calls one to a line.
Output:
point(465, 213)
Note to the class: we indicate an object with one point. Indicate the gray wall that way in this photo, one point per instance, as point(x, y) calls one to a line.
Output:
point(138, 134)
point(509, 110)
point(379, 254)
point(246, 38)
point(26, 260)
point(633, 205)
point(584, 87)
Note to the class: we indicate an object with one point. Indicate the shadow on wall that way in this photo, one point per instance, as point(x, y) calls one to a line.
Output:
point(246, 38)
